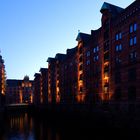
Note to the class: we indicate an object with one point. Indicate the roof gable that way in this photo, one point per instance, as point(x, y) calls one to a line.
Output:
point(83, 37)
point(111, 8)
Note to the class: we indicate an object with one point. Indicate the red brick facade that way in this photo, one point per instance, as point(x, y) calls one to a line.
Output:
point(105, 65)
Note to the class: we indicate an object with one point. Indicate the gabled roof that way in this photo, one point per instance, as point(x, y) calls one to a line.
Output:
point(43, 69)
point(111, 8)
point(72, 50)
point(83, 37)
point(60, 56)
point(36, 74)
point(50, 59)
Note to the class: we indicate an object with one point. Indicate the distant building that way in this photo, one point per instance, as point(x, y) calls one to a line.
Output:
point(2, 81)
point(19, 91)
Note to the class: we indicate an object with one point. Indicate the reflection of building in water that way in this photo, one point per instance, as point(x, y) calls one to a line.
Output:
point(21, 122)
point(19, 91)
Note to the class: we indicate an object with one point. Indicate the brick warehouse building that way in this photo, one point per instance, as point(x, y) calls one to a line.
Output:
point(106, 62)
point(19, 91)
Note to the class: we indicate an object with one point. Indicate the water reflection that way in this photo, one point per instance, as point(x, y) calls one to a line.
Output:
point(25, 127)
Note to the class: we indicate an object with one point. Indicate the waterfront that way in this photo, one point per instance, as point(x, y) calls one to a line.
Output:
point(28, 126)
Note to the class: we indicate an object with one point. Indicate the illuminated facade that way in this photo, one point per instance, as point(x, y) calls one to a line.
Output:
point(83, 40)
point(105, 63)
point(2, 81)
point(19, 91)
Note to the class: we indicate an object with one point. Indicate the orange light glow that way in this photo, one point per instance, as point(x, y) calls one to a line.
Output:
point(21, 96)
point(31, 98)
point(81, 98)
point(106, 63)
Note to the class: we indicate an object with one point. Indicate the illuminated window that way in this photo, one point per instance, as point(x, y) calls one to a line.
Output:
point(132, 56)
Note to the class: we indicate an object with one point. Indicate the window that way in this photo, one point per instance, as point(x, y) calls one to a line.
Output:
point(88, 53)
point(96, 49)
point(132, 56)
point(118, 36)
point(95, 58)
point(117, 60)
point(133, 28)
point(88, 62)
point(133, 41)
point(118, 47)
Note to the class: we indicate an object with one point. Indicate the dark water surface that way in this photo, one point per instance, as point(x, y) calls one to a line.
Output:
point(26, 126)
point(23, 126)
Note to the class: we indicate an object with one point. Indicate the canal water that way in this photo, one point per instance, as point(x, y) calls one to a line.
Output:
point(26, 126)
